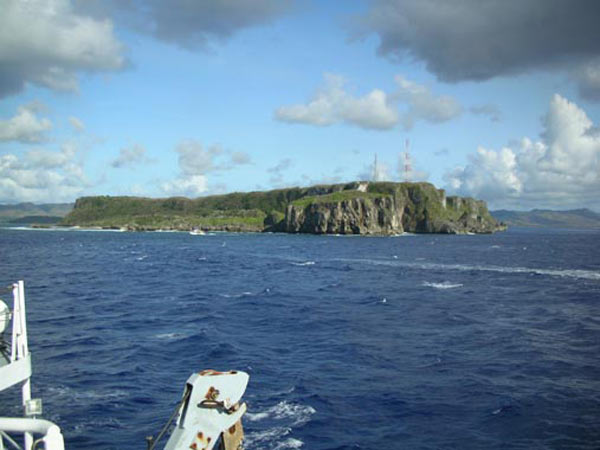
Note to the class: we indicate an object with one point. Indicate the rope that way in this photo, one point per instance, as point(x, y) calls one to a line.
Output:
point(151, 442)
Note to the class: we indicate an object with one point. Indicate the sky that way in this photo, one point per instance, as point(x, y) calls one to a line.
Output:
point(493, 99)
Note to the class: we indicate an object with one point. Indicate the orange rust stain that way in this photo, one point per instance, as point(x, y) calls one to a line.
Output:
point(193, 446)
point(212, 393)
point(200, 435)
point(211, 372)
point(232, 429)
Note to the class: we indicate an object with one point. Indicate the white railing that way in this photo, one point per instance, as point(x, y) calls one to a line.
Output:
point(17, 369)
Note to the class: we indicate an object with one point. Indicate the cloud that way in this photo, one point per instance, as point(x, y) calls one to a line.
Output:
point(76, 123)
point(198, 24)
point(561, 170)
point(45, 43)
point(195, 162)
point(376, 110)
point(42, 176)
point(240, 158)
point(277, 171)
point(423, 104)
point(488, 110)
point(587, 77)
point(332, 104)
point(25, 126)
point(479, 40)
point(130, 157)
point(188, 186)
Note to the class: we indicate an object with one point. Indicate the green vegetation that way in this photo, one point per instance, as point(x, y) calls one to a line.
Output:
point(336, 197)
point(421, 206)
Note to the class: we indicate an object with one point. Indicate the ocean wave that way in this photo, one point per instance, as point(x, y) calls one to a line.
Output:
point(289, 443)
point(562, 273)
point(258, 439)
point(299, 414)
point(305, 263)
point(443, 285)
point(243, 294)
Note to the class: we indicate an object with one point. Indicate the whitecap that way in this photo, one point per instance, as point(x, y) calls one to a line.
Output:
point(563, 273)
point(167, 336)
point(443, 285)
point(289, 443)
point(243, 294)
point(305, 263)
point(299, 414)
point(258, 439)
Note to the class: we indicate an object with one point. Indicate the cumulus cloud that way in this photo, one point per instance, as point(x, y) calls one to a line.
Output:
point(188, 186)
point(376, 110)
point(332, 104)
point(41, 175)
point(130, 157)
point(422, 104)
point(45, 43)
point(198, 24)
point(25, 126)
point(479, 40)
point(562, 169)
point(195, 162)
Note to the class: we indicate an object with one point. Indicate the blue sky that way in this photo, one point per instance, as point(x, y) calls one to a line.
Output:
point(499, 100)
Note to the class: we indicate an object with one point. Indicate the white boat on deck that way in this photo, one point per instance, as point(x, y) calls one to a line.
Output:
point(208, 415)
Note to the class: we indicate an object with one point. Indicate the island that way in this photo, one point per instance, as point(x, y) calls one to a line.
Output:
point(364, 208)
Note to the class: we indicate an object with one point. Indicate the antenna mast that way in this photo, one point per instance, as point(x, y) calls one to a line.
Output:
point(375, 171)
point(407, 166)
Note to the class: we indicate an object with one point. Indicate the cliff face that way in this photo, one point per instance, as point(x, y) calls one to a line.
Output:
point(352, 208)
point(389, 208)
point(361, 215)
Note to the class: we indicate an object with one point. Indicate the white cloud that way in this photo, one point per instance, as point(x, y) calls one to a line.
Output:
point(195, 162)
point(25, 126)
point(376, 110)
point(423, 104)
point(41, 176)
point(332, 104)
point(45, 43)
point(188, 186)
point(561, 170)
point(76, 123)
point(129, 157)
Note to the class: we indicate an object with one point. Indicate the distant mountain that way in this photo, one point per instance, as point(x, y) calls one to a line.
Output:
point(574, 218)
point(32, 213)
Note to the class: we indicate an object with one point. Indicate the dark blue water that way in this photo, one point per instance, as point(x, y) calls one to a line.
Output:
point(412, 342)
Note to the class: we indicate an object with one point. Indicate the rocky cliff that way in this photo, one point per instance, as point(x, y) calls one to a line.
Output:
point(388, 208)
point(352, 208)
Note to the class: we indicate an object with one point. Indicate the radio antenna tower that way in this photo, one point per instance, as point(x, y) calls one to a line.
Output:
point(407, 166)
point(375, 170)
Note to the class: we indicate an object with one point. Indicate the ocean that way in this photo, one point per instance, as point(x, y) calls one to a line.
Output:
point(407, 342)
